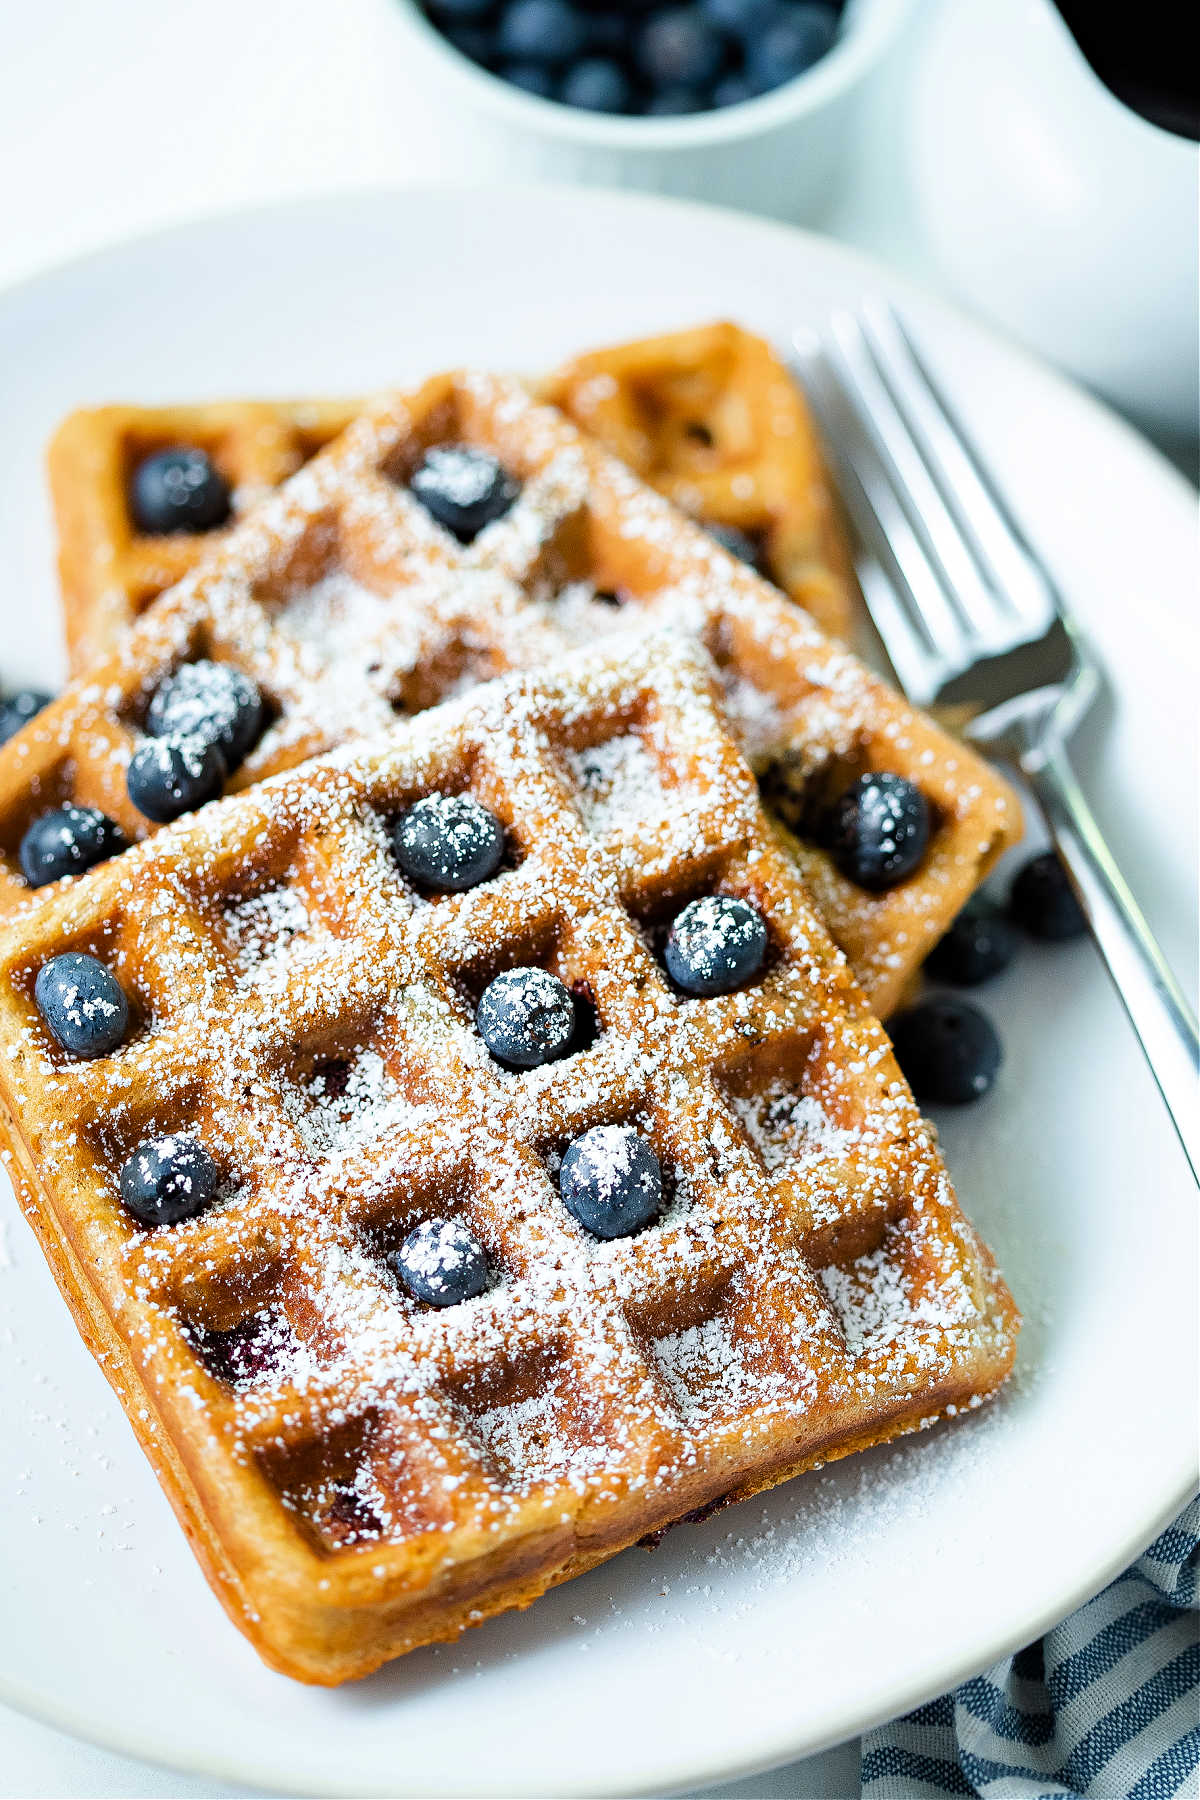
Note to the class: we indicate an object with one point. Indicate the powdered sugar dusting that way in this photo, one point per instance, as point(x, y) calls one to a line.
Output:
point(790, 1129)
point(618, 783)
point(349, 1104)
point(878, 1309)
point(263, 930)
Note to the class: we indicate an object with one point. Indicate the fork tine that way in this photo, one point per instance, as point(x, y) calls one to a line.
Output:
point(983, 517)
point(921, 630)
point(917, 488)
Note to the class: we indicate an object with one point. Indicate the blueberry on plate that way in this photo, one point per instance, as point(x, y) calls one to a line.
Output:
point(18, 709)
point(211, 701)
point(680, 48)
point(790, 44)
point(611, 1181)
point(715, 945)
point(66, 842)
point(980, 943)
point(878, 830)
point(178, 490)
point(738, 543)
point(597, 84)
point(545, 31)
point(448, 841)
point(948, 1050)
point(83, 1004)
point(1042, 900)
point(526, 1017)
point(442, 1263)
point(464, 489)
point(168, 1179)
point(168, 776)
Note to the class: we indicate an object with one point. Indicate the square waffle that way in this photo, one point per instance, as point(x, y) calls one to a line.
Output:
point(359, 1474)
point(108, 570)
point(709, 417)
point(712, 418)
point(349, 605)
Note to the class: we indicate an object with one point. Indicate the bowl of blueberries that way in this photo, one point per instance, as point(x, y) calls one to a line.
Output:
point(747, 103)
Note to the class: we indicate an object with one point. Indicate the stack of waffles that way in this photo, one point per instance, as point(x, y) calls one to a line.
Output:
point(651, 729)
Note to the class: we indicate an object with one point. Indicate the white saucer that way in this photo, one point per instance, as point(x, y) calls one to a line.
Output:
point(790, 1622)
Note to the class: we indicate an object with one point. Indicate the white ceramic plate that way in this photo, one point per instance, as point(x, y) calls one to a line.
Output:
point(792, 1621)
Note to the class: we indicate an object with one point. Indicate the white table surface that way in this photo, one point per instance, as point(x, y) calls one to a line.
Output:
point(119, 117)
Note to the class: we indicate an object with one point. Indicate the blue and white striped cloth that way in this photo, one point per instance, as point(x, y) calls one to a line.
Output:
point(1107, 1705)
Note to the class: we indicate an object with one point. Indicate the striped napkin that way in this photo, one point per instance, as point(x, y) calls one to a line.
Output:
point(1105, 1706)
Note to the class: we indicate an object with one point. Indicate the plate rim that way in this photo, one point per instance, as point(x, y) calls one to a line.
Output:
point(901, 1696)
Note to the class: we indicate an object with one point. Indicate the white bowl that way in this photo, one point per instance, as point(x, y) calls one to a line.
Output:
point(778, 154)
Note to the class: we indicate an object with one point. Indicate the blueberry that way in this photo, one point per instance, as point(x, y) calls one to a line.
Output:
point(597, 85)
point(178, 490)
point(795, 40)
point(738, 543)
point(460, 11)
point(255, 1347)
point(442, 1263)
point(878, 830)
point(948, 1050)
point(168, 1179)
point(680, 48)
point(83, 1004)
point(608, 34)
point(66, 842)
point(545, 31)
point(448, 841)
point(211, 701)
point(716, 944)
point(526, 1017)
point(611, 1181)
point(463, 488)
point(1043, 903)
point(741, 18)
point(676, 103)
point(168, 776)
point(978, 945)
point(18, 709)
point(531, 78)
point(475, 42)
point(732, 90)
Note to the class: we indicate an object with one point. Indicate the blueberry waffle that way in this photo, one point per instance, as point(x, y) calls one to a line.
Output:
point(445, 1232)
point(711, 418)
point(140, 492)
point(453, 534)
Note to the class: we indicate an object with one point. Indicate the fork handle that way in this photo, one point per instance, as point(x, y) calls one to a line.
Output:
point(1149, 992)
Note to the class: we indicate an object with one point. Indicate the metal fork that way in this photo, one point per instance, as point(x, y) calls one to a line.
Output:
point(968, 612)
